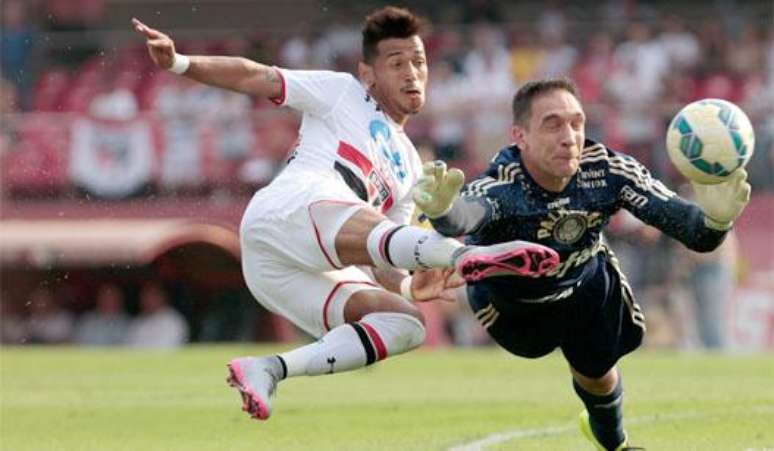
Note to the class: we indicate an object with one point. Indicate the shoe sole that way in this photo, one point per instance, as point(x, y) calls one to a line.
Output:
point(525, 262)
point(251, 402)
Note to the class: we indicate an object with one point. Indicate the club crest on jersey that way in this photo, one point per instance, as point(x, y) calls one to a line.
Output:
point(568, 226)
point(381, 135)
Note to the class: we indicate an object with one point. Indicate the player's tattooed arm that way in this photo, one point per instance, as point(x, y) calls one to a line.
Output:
point(237, 74)
point(229, 72)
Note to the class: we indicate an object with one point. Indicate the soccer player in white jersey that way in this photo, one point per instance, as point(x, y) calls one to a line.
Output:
point(327, 244)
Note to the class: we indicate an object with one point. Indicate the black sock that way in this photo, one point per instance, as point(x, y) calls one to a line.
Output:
point(605, 414)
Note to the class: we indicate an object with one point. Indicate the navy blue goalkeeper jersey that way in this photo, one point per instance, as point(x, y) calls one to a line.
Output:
point(505, 204)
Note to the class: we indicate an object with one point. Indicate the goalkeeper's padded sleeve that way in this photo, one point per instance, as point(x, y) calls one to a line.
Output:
point(466, 216)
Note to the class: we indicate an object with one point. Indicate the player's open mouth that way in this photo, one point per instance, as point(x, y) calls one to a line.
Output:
point(413, 92)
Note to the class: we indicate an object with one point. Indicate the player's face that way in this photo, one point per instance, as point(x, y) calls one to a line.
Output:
point(397, 76)
point(552, 141)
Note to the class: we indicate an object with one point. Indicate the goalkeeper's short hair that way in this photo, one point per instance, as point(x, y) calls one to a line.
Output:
point(522, 100)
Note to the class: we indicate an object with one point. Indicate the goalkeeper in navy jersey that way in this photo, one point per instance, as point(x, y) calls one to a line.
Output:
point(557, 188)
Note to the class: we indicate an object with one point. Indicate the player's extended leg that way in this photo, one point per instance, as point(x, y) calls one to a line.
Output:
point(368, 238)
point(379, 324)
point(293, 269)
point(602, 421)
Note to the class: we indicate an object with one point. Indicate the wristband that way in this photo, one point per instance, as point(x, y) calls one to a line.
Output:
point(180, 64)
point(405, 288)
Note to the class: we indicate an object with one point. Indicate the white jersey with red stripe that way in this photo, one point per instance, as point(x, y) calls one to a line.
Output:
point(350, 155)
point(345, 136)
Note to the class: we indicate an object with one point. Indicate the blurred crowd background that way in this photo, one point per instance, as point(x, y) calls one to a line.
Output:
point(94, 138)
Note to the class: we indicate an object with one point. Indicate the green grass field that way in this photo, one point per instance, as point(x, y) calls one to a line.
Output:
point(75, 399)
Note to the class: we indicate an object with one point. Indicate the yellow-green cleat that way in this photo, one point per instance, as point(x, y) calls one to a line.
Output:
point(585, 427)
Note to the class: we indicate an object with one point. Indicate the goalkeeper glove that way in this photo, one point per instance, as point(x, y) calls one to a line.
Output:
point(724, 202)
point(437, 189)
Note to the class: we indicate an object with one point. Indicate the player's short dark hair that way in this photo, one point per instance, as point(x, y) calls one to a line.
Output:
point(522, 101)
point(388, 22)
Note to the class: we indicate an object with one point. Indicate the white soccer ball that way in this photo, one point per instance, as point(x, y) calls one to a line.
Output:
point(710, 139)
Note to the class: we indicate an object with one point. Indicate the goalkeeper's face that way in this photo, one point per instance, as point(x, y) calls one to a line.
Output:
point(552, 139)
point(397, 76)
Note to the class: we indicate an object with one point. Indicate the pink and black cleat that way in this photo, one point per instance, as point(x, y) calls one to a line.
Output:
point(514, 258)
point(256, 379)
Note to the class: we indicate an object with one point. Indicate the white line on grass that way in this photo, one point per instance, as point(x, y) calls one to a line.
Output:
point(550, 431)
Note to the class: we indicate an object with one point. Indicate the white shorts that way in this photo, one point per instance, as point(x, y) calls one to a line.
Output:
point(289, 259)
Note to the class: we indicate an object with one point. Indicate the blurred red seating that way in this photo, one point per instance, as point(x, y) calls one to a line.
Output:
point(49, 89)
point(37, 163)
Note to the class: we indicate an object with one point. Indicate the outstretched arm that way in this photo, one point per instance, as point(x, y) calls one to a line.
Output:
point(229, 72)
point(701, 226)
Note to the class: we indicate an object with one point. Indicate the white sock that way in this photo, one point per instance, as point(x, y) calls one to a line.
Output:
point(399, 332)
point(408, 247)
point(355, 345)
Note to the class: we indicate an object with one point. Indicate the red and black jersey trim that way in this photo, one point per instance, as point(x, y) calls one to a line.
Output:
point(363, 178)
point(353, 181)
point(359, 161)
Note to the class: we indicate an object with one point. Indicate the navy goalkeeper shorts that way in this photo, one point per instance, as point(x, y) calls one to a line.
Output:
point(594, 324)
